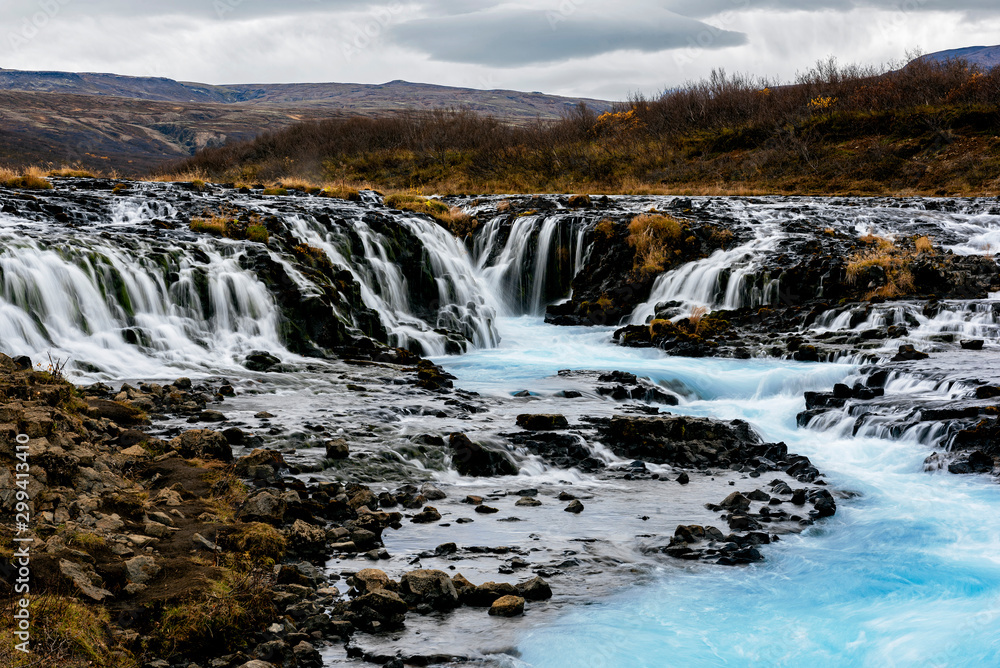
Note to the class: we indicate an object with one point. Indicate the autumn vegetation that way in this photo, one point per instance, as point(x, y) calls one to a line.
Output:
point(925, 128)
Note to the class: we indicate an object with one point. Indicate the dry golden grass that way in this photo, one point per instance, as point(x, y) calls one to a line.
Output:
point(229, 223)
point(924, 245)
point(605, 228)
point(213, 225)
point(653, 236)
point(893, 262)
point(696, 317)
point(65, 633)
point(29, 178)
point(452, 218)
point(221, 618)
point(74, 171)
point(186, 176)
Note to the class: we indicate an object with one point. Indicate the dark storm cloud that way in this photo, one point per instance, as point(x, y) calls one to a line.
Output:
point(509, 36)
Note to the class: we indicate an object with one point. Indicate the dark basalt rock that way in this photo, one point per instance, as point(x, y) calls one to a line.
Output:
point(680, 440)
point(260, 360)
point(558, 449)
point(473, 459)
point(907, 353)
point(542, 422)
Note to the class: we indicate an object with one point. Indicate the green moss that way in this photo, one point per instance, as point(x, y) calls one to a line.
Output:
point(258, 233)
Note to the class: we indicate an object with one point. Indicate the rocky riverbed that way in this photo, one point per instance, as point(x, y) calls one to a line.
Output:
point(140, 525)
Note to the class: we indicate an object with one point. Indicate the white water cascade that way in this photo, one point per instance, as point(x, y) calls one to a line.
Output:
point(719, 281)
point(127, 312)
point(463, 303)
point(535, 265)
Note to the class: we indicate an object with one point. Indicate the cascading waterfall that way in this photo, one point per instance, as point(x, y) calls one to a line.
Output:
point(463, 303)
point(906, 571)
point(125, 313)
point(726, 279)
point(535, 266)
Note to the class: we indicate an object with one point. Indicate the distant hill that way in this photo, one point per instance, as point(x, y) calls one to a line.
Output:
point(135, 123)
point(984, 56)
point(343, 97)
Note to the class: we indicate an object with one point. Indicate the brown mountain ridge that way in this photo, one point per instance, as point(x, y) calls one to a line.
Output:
point(133, 124)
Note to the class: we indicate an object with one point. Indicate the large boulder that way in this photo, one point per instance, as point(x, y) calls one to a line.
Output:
point(379, 610)
point(507, 606)
point(473, 459)
point(542, 422)
point(535, 589)
point(261, 465)
point(203, 444)
point(681, 440)
point(485, 594)
point(265, 506)
point(306, 540)
point(118, 413)
point(371, 579)
point(85, 579)
point(429, 587)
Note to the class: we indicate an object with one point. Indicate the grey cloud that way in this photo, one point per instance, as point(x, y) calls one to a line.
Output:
point(709, 8)
point(511, 37)
point(195, 9)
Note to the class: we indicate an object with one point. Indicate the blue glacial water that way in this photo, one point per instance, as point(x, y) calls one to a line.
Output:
point(906, 574)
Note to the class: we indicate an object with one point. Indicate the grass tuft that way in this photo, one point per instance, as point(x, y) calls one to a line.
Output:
point(29, 178)
point(223, 618)
point(653, 236)
point(65, 633)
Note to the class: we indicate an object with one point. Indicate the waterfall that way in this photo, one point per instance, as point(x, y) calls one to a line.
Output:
point(462, 302)
point(535, 266)
point(129, 310)
point(726, 279)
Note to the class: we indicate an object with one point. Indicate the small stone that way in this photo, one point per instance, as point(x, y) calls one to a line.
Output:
point(507, 606)
point(263, 415)
point(486, 510)
point(142, 569)
point(684, 478)
point(529, 502)
point(473, 500)
point(574, 507)
point(137, 452)
point(204, 543)
point(445, 549)
point(566, 496)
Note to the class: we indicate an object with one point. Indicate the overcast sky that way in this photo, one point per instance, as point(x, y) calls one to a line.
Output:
point(569, 47)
